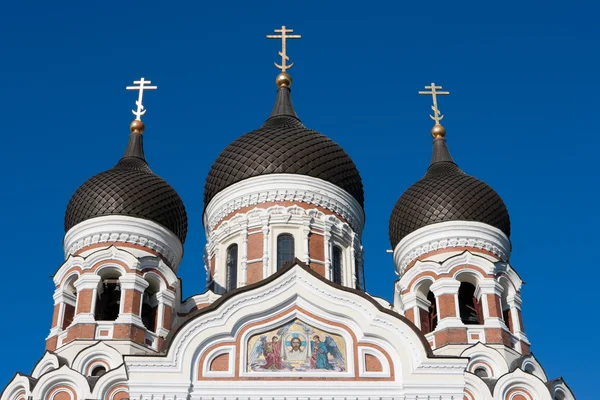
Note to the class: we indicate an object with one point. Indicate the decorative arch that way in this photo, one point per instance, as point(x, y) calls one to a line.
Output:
point(531, 365)
point(373, 363)
point(520, 383)
point(62, 384)
point(476, 389)
point(18, 389)
point(482, 356)
point(61, 392)
point(112, 385)
point(47, 363)
point(99, 354)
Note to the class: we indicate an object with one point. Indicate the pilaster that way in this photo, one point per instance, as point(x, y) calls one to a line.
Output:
point(446, 297)
point(87, 294)
point(132, 289)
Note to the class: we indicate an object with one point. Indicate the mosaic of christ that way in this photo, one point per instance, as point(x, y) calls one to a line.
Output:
point(296, 347)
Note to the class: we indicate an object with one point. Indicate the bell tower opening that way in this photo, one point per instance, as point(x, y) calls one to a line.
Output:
point(469, 307)
point(150, 304)
point(108, 304)
point(69, 311)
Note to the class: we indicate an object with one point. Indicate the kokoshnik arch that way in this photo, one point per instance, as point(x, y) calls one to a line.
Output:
point(285, 313)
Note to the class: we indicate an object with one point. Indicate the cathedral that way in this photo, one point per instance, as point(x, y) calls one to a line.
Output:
point(285, 314)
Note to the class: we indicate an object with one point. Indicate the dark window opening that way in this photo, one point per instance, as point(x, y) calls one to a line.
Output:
point(481, 372)
point(507, 319)
point(231, 266)
point(470, 309)
point(149, 307)
point(529, 369)
point(68, 315)
point(109, 301)
point(285, 249)
point(431, 320)
point(337, 265)
point(98, 371)
point(559, 396)
point(360, 274)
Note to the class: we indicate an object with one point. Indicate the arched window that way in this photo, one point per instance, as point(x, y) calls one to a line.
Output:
point(71, 295)
point(481, 372)
point(506, 314)
point(470, 309)
point(108, 303)
point(231, 263)
point(149, 307)
point(285, 249)
point(337, 265)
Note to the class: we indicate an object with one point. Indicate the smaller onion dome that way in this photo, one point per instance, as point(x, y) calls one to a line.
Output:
point(130, 188)
point(446, 193)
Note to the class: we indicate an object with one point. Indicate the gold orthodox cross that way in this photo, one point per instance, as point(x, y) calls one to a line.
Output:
point(433, 91)
point(141, 86)
point(283, 35)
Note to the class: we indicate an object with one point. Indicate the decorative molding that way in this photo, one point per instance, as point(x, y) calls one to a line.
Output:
point(284, 187)
point(124, 229)
point(448, 235)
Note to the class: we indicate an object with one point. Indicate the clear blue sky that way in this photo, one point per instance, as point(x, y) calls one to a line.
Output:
point(522, 115)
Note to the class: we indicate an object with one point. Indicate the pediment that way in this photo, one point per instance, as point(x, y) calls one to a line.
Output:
point(294, 326)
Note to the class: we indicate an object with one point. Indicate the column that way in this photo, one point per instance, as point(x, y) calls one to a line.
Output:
point(244, 256)
point(489, 293)
point(446, 297)
point(87, 293)
point(305, 235)
point(132, 289)
point(219, 287)
point(514, 302)
point(327, 248)
point(354, 276)
point(62, 301)
point(166, 301)
point(265, 232)
point(415, 308)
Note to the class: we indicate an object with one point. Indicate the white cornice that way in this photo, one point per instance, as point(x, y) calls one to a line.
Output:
point(117, 228)
point(284, 187)
point(446, 235)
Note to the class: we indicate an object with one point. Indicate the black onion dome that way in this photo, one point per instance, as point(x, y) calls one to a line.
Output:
point(446, 193)
point(283, 145)
point(129, 188)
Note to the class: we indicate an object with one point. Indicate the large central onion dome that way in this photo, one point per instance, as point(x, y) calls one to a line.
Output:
point(130, 188)
point(283, 145)
point(446, 193)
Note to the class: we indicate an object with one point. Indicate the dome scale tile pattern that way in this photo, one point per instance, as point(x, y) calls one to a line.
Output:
point(130, 188)
point(283, 145)
point(446, 193)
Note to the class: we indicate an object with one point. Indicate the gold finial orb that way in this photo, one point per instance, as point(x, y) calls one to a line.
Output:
point(137, 126)
point(283, 79)
point(438, 131)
